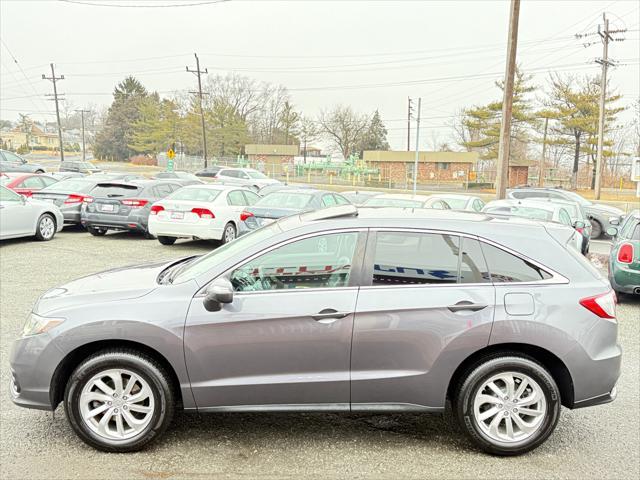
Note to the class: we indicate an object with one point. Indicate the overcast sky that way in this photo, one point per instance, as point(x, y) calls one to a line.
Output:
point(368, 54)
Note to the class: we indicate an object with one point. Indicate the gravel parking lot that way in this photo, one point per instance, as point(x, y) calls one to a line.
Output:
point(600, 442)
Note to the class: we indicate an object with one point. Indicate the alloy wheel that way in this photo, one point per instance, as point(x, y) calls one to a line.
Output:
point(510, 407)
point(47, 227)
point(117, 404)
point(229, 234)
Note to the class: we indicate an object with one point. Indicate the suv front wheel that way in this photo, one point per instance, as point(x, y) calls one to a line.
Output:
point(119, 400)
point(508, 405)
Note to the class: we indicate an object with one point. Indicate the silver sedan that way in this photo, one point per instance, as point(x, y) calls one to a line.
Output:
point(25, 217)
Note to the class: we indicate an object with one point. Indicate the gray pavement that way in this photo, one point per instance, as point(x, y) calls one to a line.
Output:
point(600, 442)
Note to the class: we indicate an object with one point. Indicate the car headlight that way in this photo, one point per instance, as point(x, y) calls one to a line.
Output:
point(36, 324)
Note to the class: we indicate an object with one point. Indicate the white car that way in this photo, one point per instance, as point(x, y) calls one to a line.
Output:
point(247, 177)
point(207, 212)
point(470, 203)
point(26, 217)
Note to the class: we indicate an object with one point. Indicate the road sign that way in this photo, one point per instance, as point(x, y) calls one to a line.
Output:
point(171, 154)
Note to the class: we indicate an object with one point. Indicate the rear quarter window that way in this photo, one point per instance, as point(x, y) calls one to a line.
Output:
point(505, 267)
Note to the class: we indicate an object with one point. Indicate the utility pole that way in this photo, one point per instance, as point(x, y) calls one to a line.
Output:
point(53, 78)
point(415, 163)
point(544, 154)
point(82, 112)
point(198, 72)
point(502, 166)
point(409, 111)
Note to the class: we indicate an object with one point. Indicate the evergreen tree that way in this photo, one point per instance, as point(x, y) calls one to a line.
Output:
point(375, 137)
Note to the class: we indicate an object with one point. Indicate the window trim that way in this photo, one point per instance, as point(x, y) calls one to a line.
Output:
point(355, 276)
point(367, 268)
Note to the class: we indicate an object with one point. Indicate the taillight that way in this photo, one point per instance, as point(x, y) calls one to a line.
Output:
point(156, 208)
point(203, 212)
point(603, 305)
point(580, 230)
point(134, 202)
point(73, 198)
point(244, 215)
point(27, 193)
point(625, 253)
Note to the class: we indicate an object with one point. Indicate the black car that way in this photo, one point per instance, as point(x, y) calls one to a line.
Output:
point(209, 172)
point(183, 178)
point(121, 205)
point(286, 202)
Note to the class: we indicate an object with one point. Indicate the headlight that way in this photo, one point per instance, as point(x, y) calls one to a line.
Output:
point(37, 324)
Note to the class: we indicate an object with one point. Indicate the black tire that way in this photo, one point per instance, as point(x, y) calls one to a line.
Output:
point(143, 366)
point(97, 232)
point(148, 236)
point(233, 233)
point(43, 234)
point(596, 228)
point(39, 171)
point(166, 240)
point(481, 372)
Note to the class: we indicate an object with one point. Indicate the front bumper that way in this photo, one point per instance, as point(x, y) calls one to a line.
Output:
point(32, 362)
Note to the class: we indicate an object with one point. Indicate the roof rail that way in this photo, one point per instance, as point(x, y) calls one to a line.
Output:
point(331, 212)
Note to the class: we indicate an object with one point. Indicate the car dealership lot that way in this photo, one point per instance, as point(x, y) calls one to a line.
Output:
point(597, 442)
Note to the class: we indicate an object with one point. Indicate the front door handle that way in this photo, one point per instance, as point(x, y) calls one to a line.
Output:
point(329, 315)
point(467, 305)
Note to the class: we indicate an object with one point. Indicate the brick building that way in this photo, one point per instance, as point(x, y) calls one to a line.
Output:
point(519, 172)
point(272, 157)
point(433, 167)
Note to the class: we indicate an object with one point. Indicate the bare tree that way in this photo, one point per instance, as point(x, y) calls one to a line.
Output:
point(344, 128)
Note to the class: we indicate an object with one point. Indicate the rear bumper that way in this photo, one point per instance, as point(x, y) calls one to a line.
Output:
point(114, 222)
point(624, 279)
point(206, 231)
point(599, 400)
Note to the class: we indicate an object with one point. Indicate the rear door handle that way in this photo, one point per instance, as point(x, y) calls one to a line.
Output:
point(329, 315)
point(467, 305)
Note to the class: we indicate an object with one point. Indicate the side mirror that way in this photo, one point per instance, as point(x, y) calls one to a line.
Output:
point(579, 224)
point(614, 221)
point(612, 231)
point(219, 291)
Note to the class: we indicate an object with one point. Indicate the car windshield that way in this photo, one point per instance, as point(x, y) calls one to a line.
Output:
point(195, 194)
point(87, 165)
point(285, 200)
point(115, 190)
point(525, 212)
point(393, 202)
point(70, 185)
point(221, 254)
point(256, 174)
point(455, 203)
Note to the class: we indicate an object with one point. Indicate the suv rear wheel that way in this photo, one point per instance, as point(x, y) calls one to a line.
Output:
point(97, 232)
point(508, 405)
point(166, 240)
point(119, 400)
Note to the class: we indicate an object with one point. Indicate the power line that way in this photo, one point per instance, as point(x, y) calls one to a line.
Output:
point(198, 73)
point(119, 5)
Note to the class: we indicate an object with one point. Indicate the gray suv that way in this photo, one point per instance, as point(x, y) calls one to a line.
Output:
point(339, 310)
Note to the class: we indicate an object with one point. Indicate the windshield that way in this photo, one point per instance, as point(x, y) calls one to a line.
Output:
point(392, 202)
point(88, 165)
point(195, 194)
point(225, 252)
point(456, 203)
point(255, 174)
point(285, 200)
point(525, 212)
point(70, 185)
point(114, 190)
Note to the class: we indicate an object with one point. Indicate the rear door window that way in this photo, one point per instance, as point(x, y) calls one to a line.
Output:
point(328, 200)
point(163, 190)
point(506, 268)
point(564, 217)
point(473, 267)
point(409, 258)
point(236, 198)
point(250, 197)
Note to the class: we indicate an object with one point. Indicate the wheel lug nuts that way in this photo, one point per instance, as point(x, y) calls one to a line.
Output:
point(115, 395)
point(124, 398)
point(515, 410)
point(124, 407)
point(506, 398)
point(109, 403)
point(506, 414)
point(115, 410)
point(515, 400)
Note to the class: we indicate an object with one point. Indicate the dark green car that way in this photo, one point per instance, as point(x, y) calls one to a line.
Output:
point(624, 260)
